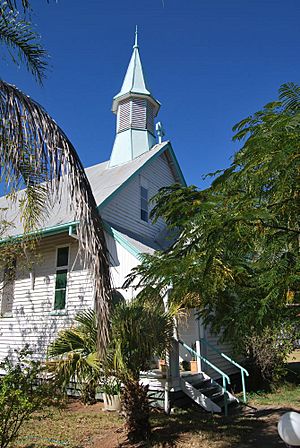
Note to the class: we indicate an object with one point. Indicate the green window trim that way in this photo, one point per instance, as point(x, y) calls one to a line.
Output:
point(61, 278)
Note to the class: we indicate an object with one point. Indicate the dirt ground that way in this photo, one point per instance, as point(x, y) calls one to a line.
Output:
point(77, 426)
point(193, 428)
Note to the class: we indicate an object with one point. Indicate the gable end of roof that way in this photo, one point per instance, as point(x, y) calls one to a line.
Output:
point(172, 160)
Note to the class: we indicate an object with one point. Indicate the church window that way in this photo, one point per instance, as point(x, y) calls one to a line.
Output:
point(8, 288)
point(144, 204)
point(61, 278)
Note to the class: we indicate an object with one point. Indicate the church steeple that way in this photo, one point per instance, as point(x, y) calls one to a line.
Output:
point(136, 109)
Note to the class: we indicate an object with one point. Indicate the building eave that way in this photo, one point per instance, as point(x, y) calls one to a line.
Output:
point(48, 231)
point(118, 98)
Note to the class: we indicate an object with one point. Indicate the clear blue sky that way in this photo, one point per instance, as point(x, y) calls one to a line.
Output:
point(209, 62)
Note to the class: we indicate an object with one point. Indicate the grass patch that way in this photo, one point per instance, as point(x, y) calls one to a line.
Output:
point(90, 427)
point(195, 428)
point(286, 395)
point(74, 427)
point(294, 356)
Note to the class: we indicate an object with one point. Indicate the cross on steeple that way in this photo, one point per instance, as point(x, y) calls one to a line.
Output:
point(160, 131)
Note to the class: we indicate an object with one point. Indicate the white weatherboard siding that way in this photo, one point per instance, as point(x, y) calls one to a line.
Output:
point(33, 320)
point(215, 358)
point(121, 262)
point(104, 182)
point(124, 209)
point(188, 333)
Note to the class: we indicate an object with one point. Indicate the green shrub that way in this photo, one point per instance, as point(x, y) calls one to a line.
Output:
point(267, 354)
point(110, 386)
point(23, 391)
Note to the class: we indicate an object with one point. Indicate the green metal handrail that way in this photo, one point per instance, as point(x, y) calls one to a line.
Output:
point(242, 369)
point(224, 376)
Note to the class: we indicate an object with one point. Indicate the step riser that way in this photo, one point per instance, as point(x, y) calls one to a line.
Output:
point(204, 391)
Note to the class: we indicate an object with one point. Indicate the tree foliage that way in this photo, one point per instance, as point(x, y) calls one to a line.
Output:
point(138, 333)
point(237, 254)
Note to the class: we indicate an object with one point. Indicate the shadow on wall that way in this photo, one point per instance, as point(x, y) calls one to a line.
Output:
point(34, 320)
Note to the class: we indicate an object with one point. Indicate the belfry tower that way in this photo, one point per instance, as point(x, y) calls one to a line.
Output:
point(135, 108)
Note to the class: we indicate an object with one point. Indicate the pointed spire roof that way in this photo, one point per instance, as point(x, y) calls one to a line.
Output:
point(134, 81)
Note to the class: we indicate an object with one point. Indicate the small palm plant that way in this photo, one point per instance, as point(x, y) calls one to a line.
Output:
point(138, 334)
point(74, 356)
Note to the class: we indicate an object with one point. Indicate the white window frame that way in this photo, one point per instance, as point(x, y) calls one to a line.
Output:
point(144, 184)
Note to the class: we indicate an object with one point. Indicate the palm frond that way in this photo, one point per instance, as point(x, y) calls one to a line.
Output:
point(34, 206)
point(88, 319)
point(289, 94)
point(67, 341)
point(24, 123)
point(92, 361)
point(17, 34)
point(13, 4)
point(138, 334)
point(73, 354)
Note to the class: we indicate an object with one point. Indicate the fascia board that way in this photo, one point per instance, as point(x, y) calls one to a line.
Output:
point(118, 237)
point(43, 232)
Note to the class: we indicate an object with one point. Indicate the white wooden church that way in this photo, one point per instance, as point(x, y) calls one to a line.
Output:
point(36, 305)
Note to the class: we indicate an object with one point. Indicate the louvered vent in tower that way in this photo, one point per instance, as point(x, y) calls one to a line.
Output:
point(138, 117)
point(136, 113)
point(123, 120)
point(150, 118)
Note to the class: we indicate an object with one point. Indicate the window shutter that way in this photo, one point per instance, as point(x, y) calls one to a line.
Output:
point(8, 289)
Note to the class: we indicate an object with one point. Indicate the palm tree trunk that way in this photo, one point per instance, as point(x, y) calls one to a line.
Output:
point(88, 392)
point(135, 405)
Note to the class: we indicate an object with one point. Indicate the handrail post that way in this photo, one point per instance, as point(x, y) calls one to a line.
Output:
point(198, 350)
point(168, 359)
point(242, 369)
point(226, 379)
point(243, 386)
point(225, 397)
